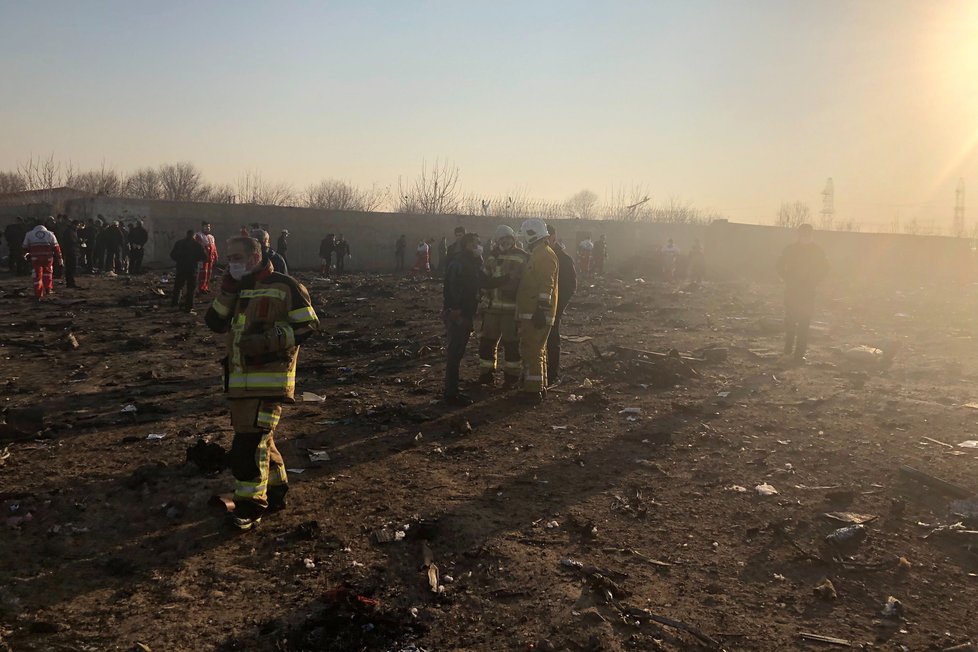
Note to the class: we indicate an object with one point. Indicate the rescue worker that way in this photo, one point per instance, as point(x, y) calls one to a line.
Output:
point(536, 308)
point(584, 250)
point(138, 237)
point(42, 248)
point(187, 254)
point(14, 234)
point(326, 247)
point(599, 254)
point(566, 287)
point(422, 260)
point(206, 268)
point(803, 266)
point(463, 280)
point(342, 253)
point(283, 246)
point(499, 311)
point(400, 247)
point(267, 316)
point(269, 254)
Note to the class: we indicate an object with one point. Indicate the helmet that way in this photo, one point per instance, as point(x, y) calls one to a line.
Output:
point(503, 231)
point(533, 230)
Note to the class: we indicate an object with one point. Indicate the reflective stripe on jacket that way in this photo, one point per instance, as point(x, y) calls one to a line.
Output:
point(538, 287)
point(503, 263)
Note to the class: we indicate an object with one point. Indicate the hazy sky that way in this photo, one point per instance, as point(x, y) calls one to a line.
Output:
point(735, 106)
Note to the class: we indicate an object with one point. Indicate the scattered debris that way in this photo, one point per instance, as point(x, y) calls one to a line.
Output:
point(825, 590)
point(831, 640)
point(129, 409)
point(850, 517)
point(318, 455)
point(155, 436)
point(850, 535)
point(892, 609)
point(309, 397)
point(935, 483)
point(765, 490)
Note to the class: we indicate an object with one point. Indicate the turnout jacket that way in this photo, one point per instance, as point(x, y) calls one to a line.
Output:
point(267, 316)
point(538, 288)
point(501, 263)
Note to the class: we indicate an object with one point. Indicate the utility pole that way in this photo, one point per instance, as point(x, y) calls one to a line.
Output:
point(828, 205)
point(959, 209)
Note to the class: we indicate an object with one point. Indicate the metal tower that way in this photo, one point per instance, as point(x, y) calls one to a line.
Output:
point(828, 205)
point(959, 209)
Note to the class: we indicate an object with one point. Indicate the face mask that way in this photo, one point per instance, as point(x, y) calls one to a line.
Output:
point(237, 270)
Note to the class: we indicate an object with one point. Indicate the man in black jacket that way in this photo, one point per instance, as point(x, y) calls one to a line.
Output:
point(463, 280)
point(566, 287)
point(138, 237)
point(69, 241)
point(283, 245)
point(269, 254)
point(803, 266)
point(187, 253)
point(326, 247)
point(342, 248)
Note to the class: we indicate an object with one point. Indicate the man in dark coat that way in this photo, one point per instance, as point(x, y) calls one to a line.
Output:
point(138, 237)
point(70, 244)
point(14, 235)
point(342, 253)
point(566, 287)
point(803, 266)
point(187, 254)
point(283, 245)
point(278, 263)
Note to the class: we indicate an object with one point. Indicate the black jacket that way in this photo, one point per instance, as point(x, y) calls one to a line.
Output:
point(138, 236)
point(463, 280)
point(326, 247)
point(187, 253)
point(278, 263)
point(69, 240)
point(283, 245)
point(566, 279)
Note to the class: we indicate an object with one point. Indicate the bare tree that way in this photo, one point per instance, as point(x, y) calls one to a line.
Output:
point(333, 194)
point(46, 173)
point(220, 194)
point(145, 183)
point(582, 204)
point(628, 204)
point(12, 182)
point(182, 182)
point(434, 192)
point(100, 182)
point(252, 188)
point(793, 214)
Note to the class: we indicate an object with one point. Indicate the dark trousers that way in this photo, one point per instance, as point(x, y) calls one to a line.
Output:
point(85, 257)
point(99, 258)
point(340, 263)
point(399, 257)
point(71, 265)
point(553, 349)
point(186, 282)
point(135, 259)
point(458, 339)
point(799, 305)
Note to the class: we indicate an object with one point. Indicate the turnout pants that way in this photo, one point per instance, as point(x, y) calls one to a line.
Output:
point(458, 339)
point(204, 271)
point(43, 276)
point(553, 349)
point(495, 327)
point(533, 351)
point(257, 466)
point(798, 309)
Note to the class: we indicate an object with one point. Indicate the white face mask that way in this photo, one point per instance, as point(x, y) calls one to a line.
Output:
point(237, 270)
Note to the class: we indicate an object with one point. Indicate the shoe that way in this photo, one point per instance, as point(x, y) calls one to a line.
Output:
point(277, 501)
point(460, 400)
point(243, 522)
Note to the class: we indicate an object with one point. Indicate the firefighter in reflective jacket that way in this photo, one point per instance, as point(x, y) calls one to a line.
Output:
point(42, 250)
point(536, 308)
point(267, 316)
point(499, 310)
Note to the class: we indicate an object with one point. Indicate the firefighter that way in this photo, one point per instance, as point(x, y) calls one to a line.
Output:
point(42, 249)
point(803, 266)
point(566, 287)
point(267, 316)
point(138, 237)
point(536, 308)
point(499, 311)
point(206, 268)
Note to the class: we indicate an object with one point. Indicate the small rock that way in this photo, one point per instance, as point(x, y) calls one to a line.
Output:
point(825, 590)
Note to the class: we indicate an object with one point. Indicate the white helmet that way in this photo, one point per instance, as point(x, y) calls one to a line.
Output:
point(503, 231)
point(533, 230)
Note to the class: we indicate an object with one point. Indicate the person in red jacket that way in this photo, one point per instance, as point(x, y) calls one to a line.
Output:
point(42, 249)
point(206, 268)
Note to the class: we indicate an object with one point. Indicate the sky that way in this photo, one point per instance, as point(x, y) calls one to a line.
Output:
point(733, 106)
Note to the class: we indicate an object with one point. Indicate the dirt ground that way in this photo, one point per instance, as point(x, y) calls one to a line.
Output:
point(572, 526)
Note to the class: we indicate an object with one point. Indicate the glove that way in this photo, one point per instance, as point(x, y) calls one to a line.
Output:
point(539, 320)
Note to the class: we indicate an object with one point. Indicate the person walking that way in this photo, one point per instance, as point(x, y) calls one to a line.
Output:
point(42, 249)
point(187, 254)
point(342, 253)
point(566, 288)
point(267, 316)
point(803, 266)
point(499, 312)
point(536, 308)
point(326, 248)
point(400, 248)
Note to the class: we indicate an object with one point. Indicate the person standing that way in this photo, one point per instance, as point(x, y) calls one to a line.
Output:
point(138, 237)
point(100, 229)
point(267, 316)
point(113, 241)
point(14, 234)
point(499, 314)
point(442, 256)
point(600, 254)
point(43, 249)
point(326, 247)
point(187, 254)
point(803, 266)
point(670, 259)
point(269, 254)
point(536, 308)
point(69, 242)
point(342, 253)
point(697, 263)
point(206, 268)
point(584, 250)
point(283, 245)
point(452, 249)
point(566, 287)
point(400, 247)
point(86, 246)
point(422, 260)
